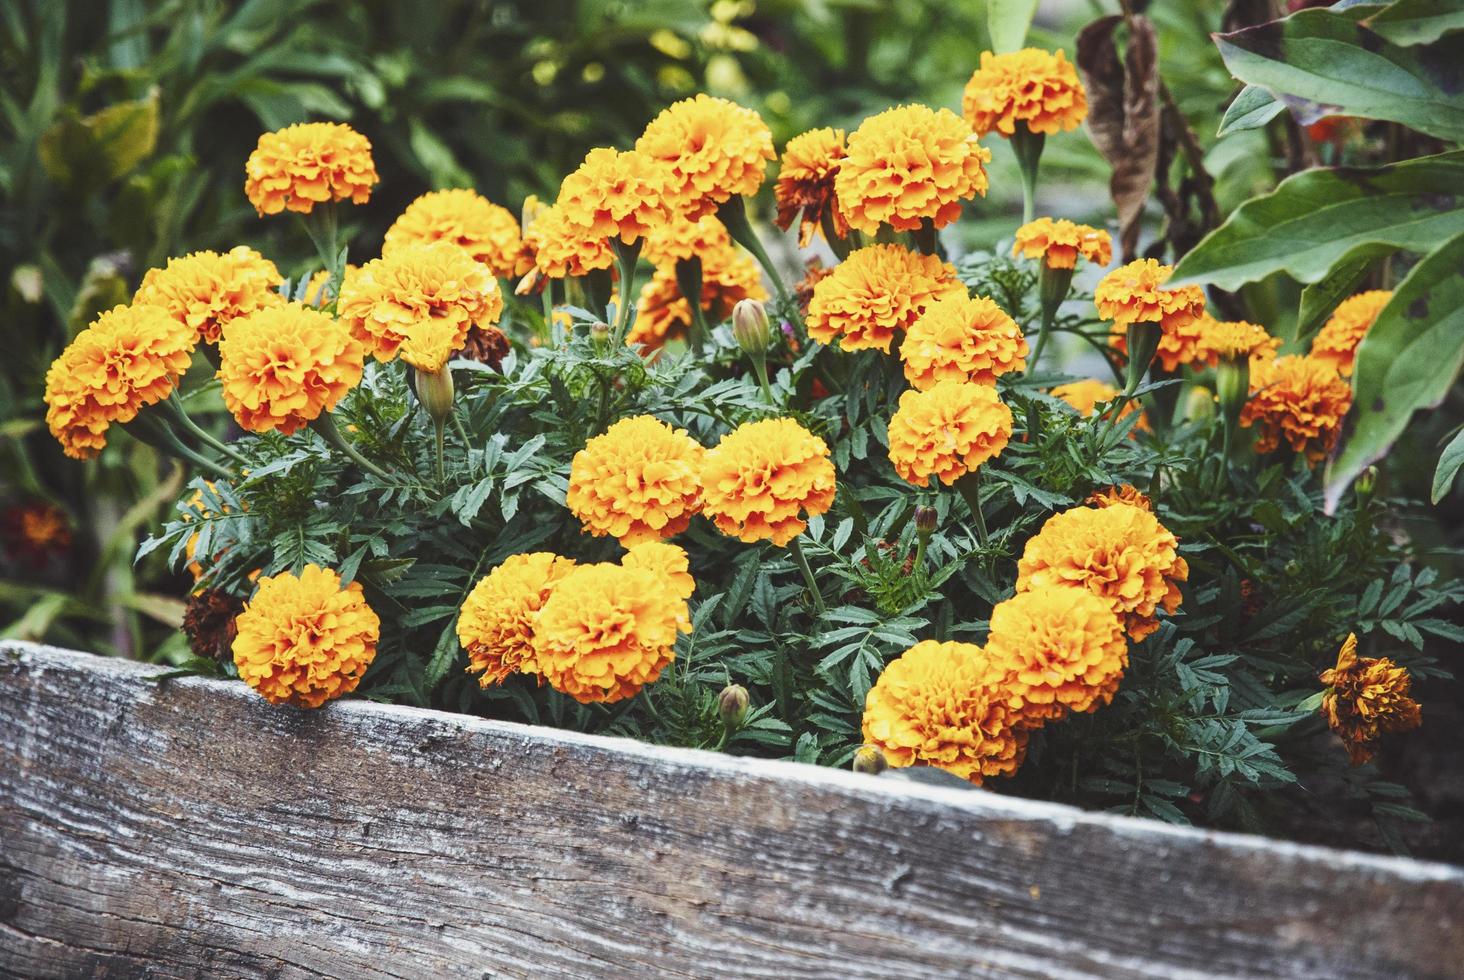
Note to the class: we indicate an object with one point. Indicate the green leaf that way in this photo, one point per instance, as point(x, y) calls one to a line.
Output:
point(1251, 109)
point(1449, 463)
point(86, 154)
point(1319, 299)
point(1327, 57)
point(1407, 361)
point(1317, 217)
point(1409, 22)
point(1007, 22)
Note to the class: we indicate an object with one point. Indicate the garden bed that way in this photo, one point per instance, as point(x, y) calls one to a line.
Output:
point(188, 828)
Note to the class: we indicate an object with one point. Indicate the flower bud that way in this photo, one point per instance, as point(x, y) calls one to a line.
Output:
point(1367, 482)
point(435, 392)
point(925, 518)
point(1232, 385)
point(732, 705)
point(750, 326)
point(532, 209)
point(1142, 340)
point(870, 760)
point(600, 333)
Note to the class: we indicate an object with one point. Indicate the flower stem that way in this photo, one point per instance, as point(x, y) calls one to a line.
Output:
point(325, 427)
point(1027, 145)
point(925, 237)
point(760, 365)
point(175, 405)
point(809, 580)
point(625, 258)
point(733, 213)
point(970, 488)
point(689, 283)
point(156, 433)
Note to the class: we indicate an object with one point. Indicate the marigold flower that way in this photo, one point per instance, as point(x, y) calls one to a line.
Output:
point(875, 292)
point(962, 338)
point(563, 249)
point(284, 365)
point(680, 239)
point(762, 476)
point(805, 188)
point(907, 165)
point(1336, 343)
point(639, 481)
point(947, 431)
point(942, 704)
point(1366, 699)
point(304, 640)
point(1120, 553)
point(1086, 394)
point(1125, 493)
point(1059, 243)
point(608, 630)
point(1300, 399)
point(420, 302)
point(496, 622)
point(665, 559)
point(307, 164)
point(1133, 293)
point(615, 194)
point(713, 150)
point(486, 231)
point(1233, 340)
point(662, 314)
point(35, 532)
point(205, 290)
point(128, 358)
point(1062, 648)
point(1036, 87)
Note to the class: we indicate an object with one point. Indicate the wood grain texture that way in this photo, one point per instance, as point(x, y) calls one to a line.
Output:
point(189, 829)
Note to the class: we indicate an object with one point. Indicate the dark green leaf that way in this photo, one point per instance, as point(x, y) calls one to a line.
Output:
point(1251, 109)
point(1418, 21)
point(1449, 463)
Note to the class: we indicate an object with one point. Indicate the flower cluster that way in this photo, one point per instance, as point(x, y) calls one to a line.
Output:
point(876, 292)
point(1365, 699)
point(206, 290)
point(639, 481)
point(1300, 400)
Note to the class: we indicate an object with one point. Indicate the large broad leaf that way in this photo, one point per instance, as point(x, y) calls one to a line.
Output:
point(1408, 360)
point(1319, 299)
point(1418, 21)
point(1007, 22)
point(1450, 461)
point(1325, 56)
point(1314, 218)
point(1251, 109)
point(87, 153)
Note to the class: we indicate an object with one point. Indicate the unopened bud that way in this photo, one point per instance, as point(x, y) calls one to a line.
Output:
point(600, 333)
point(533, 208)
point(530, 284)
point(750, 326)
point(925, 518)
point(434, 390)
point(732, 705)
point(1367, 482)
point(1142, 341)
point(1232, 385)
point(1199, 403)
point(870, 760)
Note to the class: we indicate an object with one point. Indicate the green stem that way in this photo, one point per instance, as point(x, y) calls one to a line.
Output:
point(547, 299)
point(325, 427)
point(970, 488)
point(462, 432)
point(156, 433)
point(733, 213)
point(439, 433)
point(926, 240)
point(625, 258)
point(689, 283)
point(809, 580)
point(1027, 146)
point(175, 405)
point(920, 540)
point(760, 365)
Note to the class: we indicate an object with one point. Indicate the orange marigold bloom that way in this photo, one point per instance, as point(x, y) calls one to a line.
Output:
point(762, 476)
point(1086, 394)
point(962, 338)
point(1366, 699)
point(496, 622)
point(713, 150)
point(680, 238)
point(1060, 242)
point(909, 164)
point(947, 431)
point(639, 481)
point(467, 219)
point(1300, 399)
point(1126, 493)
point(34, 532)
point(665, 559)
point(805, 188)
point(942, 704)
point(1062, 648)
point(608, 630)
point(281, 367)
point(304, 640)
point(662, 314)
point(562, 248)
point(1336, 343)
point(1133, 293)
point(128, 358)
point(420, 302)
point(1036, 87)
point(307, 164)
point(1120, 553)
point(875, 292)
point(206, 290)
point(615, 194)
point(1233, 340)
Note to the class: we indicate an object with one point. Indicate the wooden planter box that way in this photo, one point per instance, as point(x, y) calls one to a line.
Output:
point(189, 829)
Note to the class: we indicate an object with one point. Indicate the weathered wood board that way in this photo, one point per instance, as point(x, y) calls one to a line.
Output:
point(189, 829)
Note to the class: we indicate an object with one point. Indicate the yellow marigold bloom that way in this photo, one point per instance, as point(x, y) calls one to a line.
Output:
point(305, 640)
point(1062, 648)
point(1039, 88)
point(486, 231)
point(1366, 699)
point(1300, 399)
point(639, 481)
point(496, 622)
point(1120, 553)
point(1336, 343)
point(875, 292)
point(128, 358)
point(909, 164)
point(1060, 242)
point(713, 150)
point(1086, 394)
point(563, 249)
point(1134, 293)
point(762, 476)
point(307, 164)
point(608, 630)
point(662, 314)
point(947, 431)
point(420, 302)
point(666, 560)
point(206, 290)
point(615, 195)
point(1233, 340)
point(1124, 494)
point(962, 338)
point(943, 704)
point(805, 188)
point(680, 238)
point(281, 367)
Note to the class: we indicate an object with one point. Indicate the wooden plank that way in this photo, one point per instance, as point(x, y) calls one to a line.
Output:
point(190, 829)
